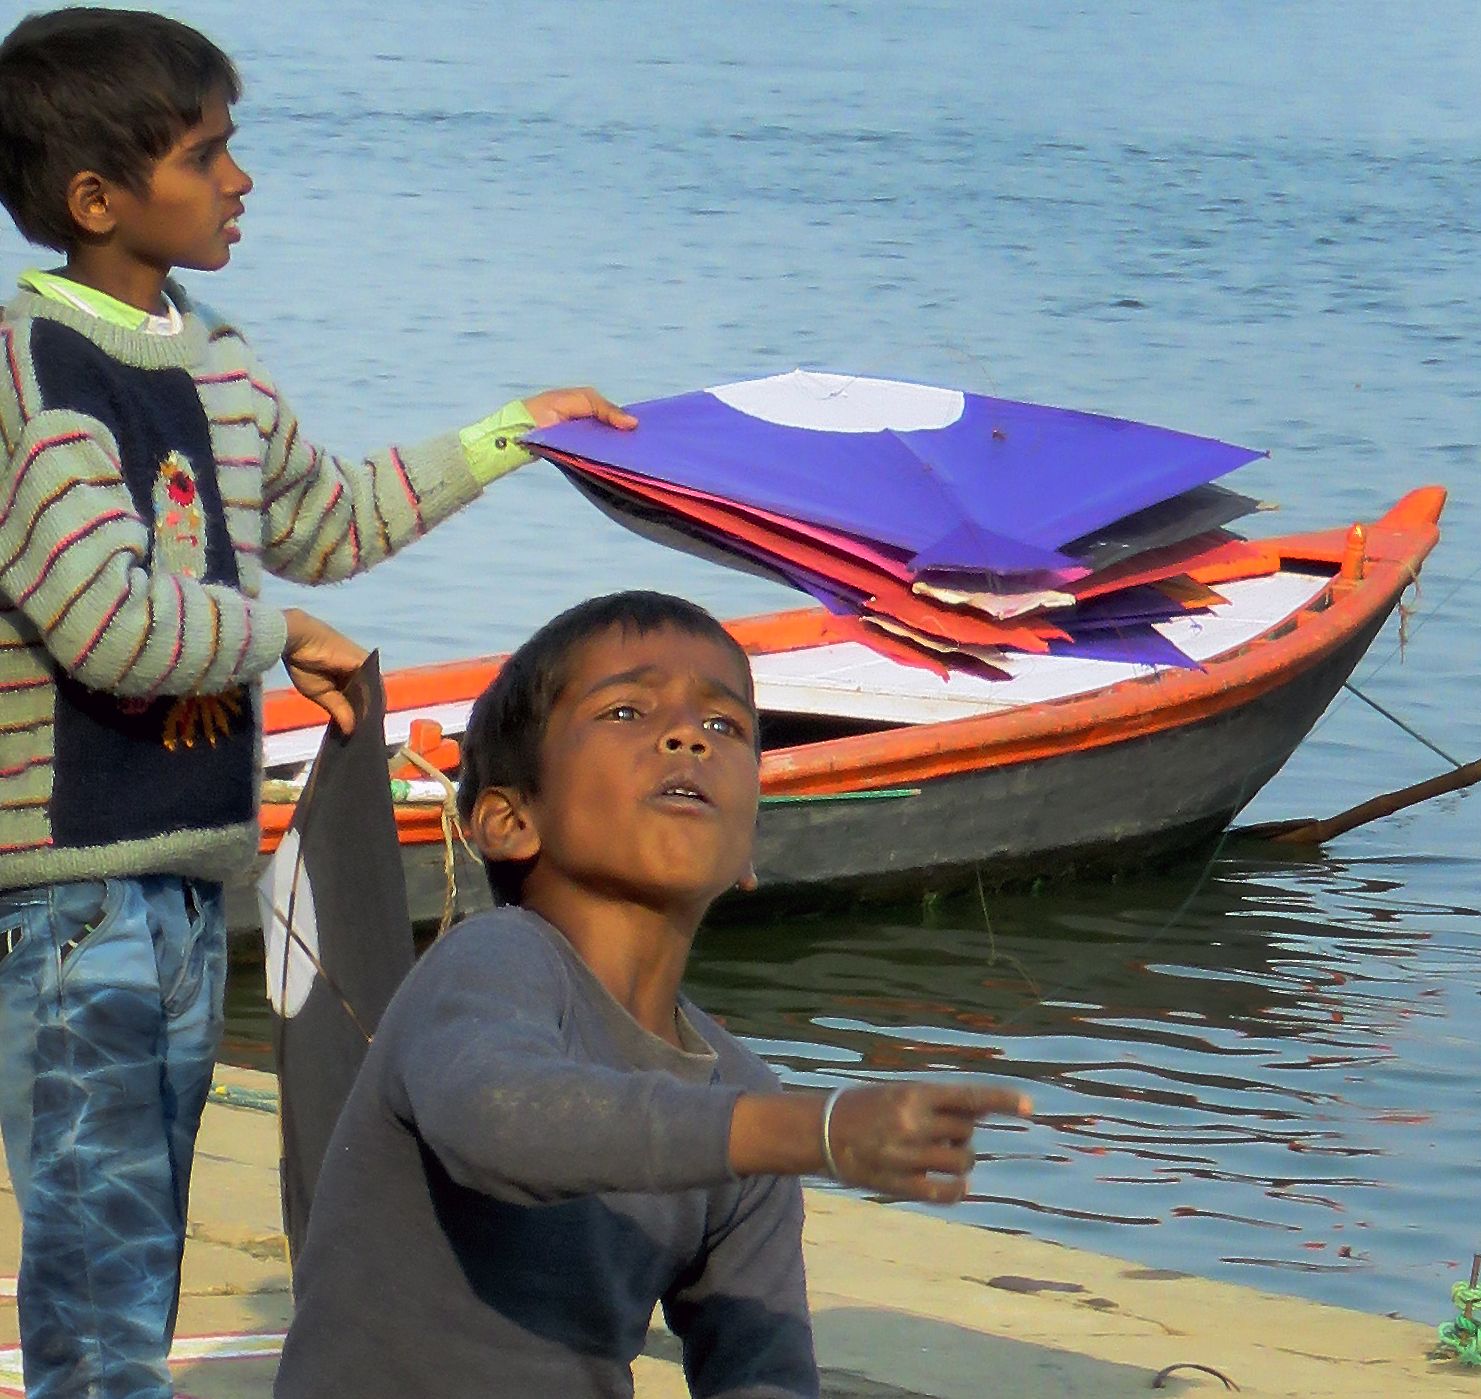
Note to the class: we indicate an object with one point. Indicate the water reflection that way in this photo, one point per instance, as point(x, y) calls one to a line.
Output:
point(1226, 1057)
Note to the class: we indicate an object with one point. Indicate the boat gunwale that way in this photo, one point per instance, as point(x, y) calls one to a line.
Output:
point(1393, 548)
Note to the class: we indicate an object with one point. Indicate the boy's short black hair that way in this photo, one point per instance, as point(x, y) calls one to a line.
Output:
point(506, 729)
point(96, 89)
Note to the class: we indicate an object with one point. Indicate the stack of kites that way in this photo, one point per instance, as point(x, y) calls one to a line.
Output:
point(945, 529)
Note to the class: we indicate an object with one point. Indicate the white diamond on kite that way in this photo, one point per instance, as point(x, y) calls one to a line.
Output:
point(284, 887)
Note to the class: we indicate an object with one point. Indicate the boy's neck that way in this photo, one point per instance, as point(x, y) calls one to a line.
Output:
point(130, 282)
point(637, 953)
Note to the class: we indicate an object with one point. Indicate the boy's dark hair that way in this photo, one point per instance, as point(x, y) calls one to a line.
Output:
point(96, 89)
point(506, 729)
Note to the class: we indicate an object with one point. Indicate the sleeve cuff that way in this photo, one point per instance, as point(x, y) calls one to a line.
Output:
point(492, 444)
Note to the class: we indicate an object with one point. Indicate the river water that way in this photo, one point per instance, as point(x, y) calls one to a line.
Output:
point(1256, 221)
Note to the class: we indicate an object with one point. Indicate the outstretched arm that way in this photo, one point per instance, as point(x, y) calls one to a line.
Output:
point(912, 1141)
point(485, 1074)
point(328, 517)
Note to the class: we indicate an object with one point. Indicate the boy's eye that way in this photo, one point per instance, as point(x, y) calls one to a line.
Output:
point(624, 712)
point(723, 723)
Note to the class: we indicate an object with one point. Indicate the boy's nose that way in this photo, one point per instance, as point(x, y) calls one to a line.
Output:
point(690, 736)
point(238, 181)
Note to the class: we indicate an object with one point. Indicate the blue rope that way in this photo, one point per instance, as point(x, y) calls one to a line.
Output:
point(234, 1096)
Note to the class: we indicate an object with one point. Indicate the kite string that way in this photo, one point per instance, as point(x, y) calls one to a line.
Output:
point(313, 957)
point(292, 936)
point(310, 783)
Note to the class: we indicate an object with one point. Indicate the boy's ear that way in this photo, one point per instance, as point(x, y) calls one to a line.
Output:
point(88, 203)
point(501, 826)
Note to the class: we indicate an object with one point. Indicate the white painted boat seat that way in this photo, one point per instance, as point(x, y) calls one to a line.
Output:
point(849, 681)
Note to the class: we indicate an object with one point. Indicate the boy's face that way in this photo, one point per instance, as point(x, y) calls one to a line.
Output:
point(187, 216)
point(649, 774)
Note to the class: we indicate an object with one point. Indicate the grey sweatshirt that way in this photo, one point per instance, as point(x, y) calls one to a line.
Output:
point(521, 1172)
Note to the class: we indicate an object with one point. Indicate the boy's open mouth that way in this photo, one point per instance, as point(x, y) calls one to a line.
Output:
point(682, 791)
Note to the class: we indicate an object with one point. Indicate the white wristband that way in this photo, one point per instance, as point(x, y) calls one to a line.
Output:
point(828, 1105)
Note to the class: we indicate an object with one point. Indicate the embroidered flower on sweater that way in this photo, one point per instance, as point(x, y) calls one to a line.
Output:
point(200, 716)
point(179, 523)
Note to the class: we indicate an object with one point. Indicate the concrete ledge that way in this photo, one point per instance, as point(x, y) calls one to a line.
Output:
point(905, 1305)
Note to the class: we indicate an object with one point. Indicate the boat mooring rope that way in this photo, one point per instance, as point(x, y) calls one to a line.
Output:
point(1310, 831)
point(1394, 718)
point(1408, 630)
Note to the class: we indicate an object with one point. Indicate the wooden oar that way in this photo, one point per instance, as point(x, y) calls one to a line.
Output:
point(1313, 832)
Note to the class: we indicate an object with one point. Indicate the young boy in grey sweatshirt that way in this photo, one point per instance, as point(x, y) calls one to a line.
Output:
point(547, 1138)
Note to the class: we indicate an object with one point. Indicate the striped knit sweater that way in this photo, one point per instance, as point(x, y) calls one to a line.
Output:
point(148, 482)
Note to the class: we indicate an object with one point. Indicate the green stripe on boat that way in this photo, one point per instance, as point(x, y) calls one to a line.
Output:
point(808, 798)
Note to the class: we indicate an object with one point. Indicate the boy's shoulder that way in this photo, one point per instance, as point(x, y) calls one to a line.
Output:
point(63, 357)
point(492, 968)
point(53, 346)
point(497, 935)
point(518, 960)
point(505, 947)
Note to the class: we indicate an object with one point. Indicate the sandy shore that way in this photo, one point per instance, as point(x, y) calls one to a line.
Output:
point(905, 1306)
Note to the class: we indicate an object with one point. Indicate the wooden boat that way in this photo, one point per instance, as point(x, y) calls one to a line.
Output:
point(881, 780)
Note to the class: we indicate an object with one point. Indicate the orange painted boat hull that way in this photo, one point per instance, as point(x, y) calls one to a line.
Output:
point(1111, 779)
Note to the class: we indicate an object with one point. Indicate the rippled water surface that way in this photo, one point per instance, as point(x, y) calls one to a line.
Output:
point(1255, 221)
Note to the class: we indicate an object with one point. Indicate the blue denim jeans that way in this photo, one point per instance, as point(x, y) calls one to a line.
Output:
point(111, 999)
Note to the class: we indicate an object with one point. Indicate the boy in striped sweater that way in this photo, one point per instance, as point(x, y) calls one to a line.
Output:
point(152, 472)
